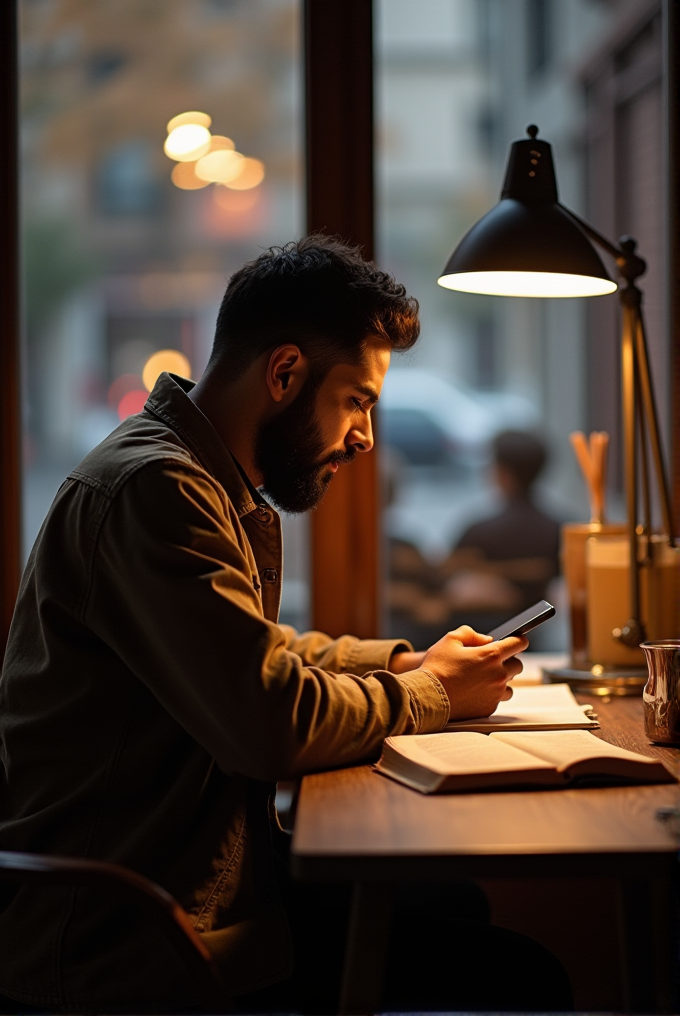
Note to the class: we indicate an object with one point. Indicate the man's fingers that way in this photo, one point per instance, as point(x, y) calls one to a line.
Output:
point(512, 645)
point(467, 636)
point(507, 694)
point(513, 667)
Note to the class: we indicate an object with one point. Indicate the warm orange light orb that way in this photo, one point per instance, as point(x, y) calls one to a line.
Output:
point(220, 166)
point(187, 142)
point(219, 143)
point(184, 177)
point(251, 174)
point(202, 119)
point(165, 359)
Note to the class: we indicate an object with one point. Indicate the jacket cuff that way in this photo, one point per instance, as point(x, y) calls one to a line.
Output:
point(366, 655)
point(429, 702)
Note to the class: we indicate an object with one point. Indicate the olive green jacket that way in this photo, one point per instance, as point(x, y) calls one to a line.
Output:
point(149, 701)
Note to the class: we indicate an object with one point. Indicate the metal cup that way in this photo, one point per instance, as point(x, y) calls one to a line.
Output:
point(661, 696)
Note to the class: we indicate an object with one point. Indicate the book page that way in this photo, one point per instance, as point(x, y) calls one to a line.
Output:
point(533, 665)
point(458, 753)
point(564, 748)
point(555, 697)
point(546, 705)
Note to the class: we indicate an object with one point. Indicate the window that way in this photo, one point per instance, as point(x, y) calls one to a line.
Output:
point(123, 257)
point(126, 183)
point(453, 90)
point(539, 17)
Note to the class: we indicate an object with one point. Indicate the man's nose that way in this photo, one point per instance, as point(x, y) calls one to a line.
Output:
point(360, 438)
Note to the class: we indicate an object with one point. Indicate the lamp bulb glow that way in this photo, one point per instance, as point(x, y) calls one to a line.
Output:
point(535, 284)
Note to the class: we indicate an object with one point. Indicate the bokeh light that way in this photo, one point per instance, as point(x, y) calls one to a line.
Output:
point(165, 359)
point(203, 158)
point(202, 119)
point(121, 386)
point(184, 177)
point(236, 202)
point(220, 166)
point(132, 402)
point(187, 142)
point(251, 174)
point(218, 142)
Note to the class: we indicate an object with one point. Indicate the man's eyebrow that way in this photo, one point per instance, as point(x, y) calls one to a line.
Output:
point(368, 391)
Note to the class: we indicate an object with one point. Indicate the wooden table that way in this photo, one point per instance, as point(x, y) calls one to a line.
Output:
point(356, 825)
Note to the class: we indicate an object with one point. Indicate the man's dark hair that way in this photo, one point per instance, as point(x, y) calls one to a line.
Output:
point(318, 293)
point(522, 454)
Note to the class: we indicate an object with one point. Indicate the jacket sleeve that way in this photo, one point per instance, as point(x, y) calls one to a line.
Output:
point(172, 595)
point(345, 654)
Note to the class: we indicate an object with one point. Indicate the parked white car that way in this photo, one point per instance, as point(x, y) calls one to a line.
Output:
point(431, 422)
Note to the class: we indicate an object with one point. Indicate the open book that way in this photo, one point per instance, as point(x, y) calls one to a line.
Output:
point(541, 707)
point(471, 761)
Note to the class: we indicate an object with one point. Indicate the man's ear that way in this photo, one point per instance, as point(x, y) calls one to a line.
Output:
point(287, 371)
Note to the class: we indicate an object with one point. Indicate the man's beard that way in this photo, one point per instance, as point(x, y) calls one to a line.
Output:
point(289, 454)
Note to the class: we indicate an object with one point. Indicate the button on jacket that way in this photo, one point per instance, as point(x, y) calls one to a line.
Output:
point(148, 702)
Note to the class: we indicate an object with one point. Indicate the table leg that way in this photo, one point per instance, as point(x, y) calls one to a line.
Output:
point(649, 937)
point(367, 943)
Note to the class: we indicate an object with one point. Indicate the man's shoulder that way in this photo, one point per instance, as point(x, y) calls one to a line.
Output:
point(139, 442)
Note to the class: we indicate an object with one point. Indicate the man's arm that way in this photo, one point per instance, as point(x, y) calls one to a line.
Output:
point(474, 683)
point(403, 660)
point(173, 595)
point(349, 654)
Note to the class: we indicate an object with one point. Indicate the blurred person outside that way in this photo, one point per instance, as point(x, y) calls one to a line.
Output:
point(417, 607)
point(505, 563)
point(149, 699)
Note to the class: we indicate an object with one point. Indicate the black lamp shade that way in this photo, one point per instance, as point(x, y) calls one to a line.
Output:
point(527, 245)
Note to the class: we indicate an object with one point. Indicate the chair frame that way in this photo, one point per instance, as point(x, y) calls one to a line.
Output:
point(169, 916)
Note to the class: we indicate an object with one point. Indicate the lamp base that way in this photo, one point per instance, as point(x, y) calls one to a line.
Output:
point(597, 680)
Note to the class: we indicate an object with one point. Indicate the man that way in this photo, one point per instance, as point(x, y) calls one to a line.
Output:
point(149, 700)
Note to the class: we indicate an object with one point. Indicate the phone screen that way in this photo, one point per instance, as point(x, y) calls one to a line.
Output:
point(524, 622)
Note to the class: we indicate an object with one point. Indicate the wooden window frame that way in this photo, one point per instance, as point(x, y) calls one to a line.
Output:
point(345, 541)
point(10, 402)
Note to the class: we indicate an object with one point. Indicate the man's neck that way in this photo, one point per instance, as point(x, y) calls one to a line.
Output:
point(230, 409)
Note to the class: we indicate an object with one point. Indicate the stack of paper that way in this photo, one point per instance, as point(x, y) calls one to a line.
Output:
point(540, 707)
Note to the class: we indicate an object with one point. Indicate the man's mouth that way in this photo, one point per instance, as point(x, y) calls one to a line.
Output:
point(335, 461)
point(327, 469)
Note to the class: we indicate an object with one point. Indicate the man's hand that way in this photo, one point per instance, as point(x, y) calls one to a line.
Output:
point(474, 670)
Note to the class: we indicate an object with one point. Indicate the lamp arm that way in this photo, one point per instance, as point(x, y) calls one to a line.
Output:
point(630, 265)
point(637, 382)
point(590, 231)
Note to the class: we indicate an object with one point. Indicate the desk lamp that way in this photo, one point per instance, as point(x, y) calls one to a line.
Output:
point(531, 245)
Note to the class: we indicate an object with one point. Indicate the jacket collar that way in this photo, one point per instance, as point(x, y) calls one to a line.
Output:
point(169, 402)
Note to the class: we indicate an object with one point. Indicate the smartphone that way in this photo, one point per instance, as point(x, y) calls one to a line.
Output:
point(520, 624)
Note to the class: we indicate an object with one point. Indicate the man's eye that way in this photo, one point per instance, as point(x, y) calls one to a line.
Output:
point(358, 403)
